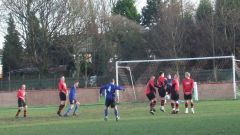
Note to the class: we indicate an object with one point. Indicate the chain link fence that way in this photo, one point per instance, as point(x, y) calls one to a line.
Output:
point(38, 81)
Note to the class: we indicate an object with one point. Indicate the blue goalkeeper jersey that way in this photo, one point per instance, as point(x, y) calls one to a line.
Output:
point(72, 94)
point(169, 83)
point(110, 90)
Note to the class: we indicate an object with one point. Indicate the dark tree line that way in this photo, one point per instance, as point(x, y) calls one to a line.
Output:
point(88, 36)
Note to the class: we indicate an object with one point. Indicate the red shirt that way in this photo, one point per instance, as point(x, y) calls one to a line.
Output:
point(150, 87)
point(62, 87)
point(161, 81)
point(21, 94)
point(175, 85)
point(188, 86)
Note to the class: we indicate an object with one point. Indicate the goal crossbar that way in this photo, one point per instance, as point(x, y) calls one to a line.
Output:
point(176, 59)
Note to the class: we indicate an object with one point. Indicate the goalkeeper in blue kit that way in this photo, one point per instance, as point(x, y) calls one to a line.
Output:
point(110, 96)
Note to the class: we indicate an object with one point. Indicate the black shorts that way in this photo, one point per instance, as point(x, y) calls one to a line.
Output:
point(21, 103)
point(168, 90)
point(162, 92)
point(62, 96)
point(188, 97)
point(175, 96)
point(110, 102)
point(151, 96)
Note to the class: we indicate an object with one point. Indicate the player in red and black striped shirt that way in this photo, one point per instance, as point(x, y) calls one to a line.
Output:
point(21, 101)
point(175, 94)
point(150, 93)
point(188, 85)
point(162, 90)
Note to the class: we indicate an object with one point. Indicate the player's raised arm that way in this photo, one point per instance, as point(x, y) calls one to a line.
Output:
point(103, 87)
point(119, 87)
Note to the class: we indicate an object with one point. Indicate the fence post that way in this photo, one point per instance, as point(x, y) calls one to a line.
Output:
point(9, 81)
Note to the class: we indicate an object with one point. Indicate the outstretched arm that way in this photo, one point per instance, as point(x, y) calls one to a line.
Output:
point(119, 87)
point(103, 88)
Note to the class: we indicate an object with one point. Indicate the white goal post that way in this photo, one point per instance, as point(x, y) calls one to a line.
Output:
point(231, 63)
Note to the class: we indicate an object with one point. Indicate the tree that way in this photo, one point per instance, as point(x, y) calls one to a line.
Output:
point(150, 12)
point(38, 22)
point(227, 17)
point(12, 50)
point(127, 37)
point(191, 49)
point(204, 11)
point(127, 8)
point(206, 28)
point(166, 37)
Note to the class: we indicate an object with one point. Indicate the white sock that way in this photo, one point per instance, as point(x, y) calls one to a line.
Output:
point(186, 110)
point(192, 110)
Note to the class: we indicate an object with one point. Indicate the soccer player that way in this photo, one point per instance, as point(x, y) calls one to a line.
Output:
point(21, 101)
point(188, 84)
point(162, 90)
point(62, 88)
point(168, 86)
point(150, 93)
point(175, 95)
point(110, 90)
point(73, 100)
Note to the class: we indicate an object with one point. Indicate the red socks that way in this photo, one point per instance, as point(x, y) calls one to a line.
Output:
point(177, 105)
point(162, 102)
point(18, 112)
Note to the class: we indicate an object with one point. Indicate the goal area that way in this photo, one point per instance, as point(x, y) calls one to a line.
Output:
point(216, 77)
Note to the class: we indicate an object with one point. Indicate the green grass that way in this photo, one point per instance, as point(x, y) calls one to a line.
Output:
point(211, 118)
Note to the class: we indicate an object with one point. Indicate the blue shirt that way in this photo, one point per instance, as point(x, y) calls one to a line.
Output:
point(72, 94)
point(169, 83)
point(110, 90)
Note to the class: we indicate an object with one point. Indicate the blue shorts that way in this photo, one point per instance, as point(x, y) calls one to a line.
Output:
point(110, 102)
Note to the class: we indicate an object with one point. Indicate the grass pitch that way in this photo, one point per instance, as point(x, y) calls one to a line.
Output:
point(211, 118)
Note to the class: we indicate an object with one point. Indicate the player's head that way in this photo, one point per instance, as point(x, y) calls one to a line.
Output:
point(176, 76)
point(161, 74)
point(187, 75)
point(169, 76)
point(76, 83)
point(152, 77)
point(62, 78)
point(23, 86)
point(113, 81)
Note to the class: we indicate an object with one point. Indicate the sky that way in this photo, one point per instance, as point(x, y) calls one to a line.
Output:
point(139, 5)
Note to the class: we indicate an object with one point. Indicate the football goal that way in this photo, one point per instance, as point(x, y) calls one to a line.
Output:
point(215, 77)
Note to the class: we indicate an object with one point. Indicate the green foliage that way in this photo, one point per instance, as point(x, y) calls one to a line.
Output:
point(127, 8)
point(204, 11)
point(12, 50)
point(150, 12)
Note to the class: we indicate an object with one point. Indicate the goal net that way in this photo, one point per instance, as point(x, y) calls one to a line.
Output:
point(215, 76)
